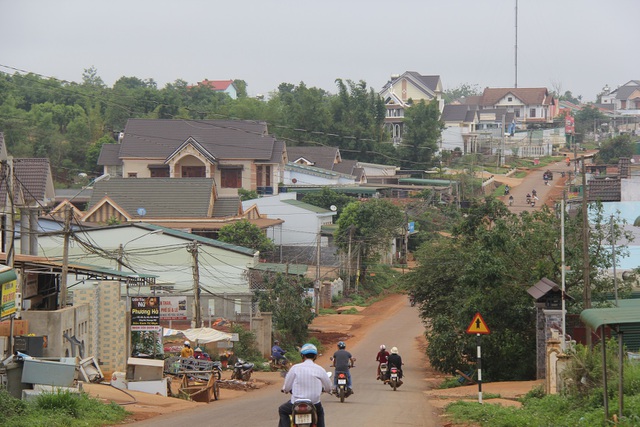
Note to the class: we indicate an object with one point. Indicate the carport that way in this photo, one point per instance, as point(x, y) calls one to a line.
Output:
point(624, 320)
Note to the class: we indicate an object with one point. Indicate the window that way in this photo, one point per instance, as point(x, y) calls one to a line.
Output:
point(194, 172)
point(237, 306)
point(231, 178)
point(517, 113)
point(510, 99)
point(160, 172)
point(263, 176)
point(132, 174)
point(532, 112)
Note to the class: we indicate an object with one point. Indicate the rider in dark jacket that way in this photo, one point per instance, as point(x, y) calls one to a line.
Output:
point(394, 360)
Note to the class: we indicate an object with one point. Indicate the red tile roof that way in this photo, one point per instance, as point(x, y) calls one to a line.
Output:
point(221, 85)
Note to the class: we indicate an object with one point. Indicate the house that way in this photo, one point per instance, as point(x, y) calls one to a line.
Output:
point(300, 232)
point(400, 91)
point(234, 153)
point(530, 106)
point(321, 165)
point(190, 205)
point(623, 106)
point(32, 193)
point(223, 86)
point(170, 257)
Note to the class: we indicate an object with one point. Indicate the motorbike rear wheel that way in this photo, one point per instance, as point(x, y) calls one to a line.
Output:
point(394, 385)
point(246, 376)
point(342, 393)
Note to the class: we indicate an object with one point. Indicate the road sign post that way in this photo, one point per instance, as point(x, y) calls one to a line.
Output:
point(478, 327)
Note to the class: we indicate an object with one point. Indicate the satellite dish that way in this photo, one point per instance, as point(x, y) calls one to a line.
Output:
point(142, 211)
point(333, 208)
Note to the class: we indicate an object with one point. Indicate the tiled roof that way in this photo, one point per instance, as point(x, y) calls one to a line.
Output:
point(33, 179)
point(159, 197)
point(109, 155)
point(456, 112)
point(217, 84)
point(604, 189)
point(321, 156)
point(529, 96)
point(223, 139)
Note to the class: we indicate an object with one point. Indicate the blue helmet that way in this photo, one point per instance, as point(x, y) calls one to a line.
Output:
point(309, 349)
point(342, 345)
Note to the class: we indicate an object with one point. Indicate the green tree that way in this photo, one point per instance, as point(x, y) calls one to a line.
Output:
point(487, 264)
point(589, 119)
point(615, 148)
point(284, 296)
point(369, 228)
point(243, 233)
point(464, 90)
point(422, 131)
point(327, 198)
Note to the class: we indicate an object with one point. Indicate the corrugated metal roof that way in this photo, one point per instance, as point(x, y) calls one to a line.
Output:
point(296, 269)
point(306, 206)
point(627, 313)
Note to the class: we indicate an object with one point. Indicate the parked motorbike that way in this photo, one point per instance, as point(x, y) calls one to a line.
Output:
point(342, 392)
point(242, 370)
point(304, 414)
point(394, 378)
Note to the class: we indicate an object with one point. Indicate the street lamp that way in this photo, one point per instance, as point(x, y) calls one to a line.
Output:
point(67, 233)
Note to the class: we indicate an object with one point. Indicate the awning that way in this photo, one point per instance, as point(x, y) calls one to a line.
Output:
point(201, 335)
point(627, 313)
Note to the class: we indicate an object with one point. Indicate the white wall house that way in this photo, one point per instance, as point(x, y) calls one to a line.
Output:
point(299, 174)
point(302, 221)
point(163, 252)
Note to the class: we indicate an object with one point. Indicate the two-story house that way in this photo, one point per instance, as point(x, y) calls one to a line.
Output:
point(234, 153)
point(400, 91)
point(530, 106)
point(224, 86)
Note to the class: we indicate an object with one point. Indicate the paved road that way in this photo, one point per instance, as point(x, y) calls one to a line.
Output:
point(373, 403)
point(535, 181)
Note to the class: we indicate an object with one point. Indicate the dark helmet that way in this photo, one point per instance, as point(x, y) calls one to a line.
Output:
point(342, 345)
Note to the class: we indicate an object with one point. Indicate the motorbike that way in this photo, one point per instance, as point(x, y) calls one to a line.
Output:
point(394, 378)
point(242, 370)
point(303, 414)
point(383, 371)
point(279, 365)
point(342, 392)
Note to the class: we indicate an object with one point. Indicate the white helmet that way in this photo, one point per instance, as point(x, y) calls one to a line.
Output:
point(394, 350)
point(382, 347)
point(187, 343)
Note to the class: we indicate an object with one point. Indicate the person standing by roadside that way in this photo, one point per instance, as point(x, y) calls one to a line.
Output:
point(186, 351)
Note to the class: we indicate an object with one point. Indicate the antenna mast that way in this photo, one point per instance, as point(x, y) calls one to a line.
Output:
point(516, 49)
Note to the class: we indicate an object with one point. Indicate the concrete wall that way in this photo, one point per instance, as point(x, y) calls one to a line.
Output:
point(108, 328)
point(262, 326)
point(74, 321)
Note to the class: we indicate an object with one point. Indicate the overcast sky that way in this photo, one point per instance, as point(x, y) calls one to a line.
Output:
point(577, 45)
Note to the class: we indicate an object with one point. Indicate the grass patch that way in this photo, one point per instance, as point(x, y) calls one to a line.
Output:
point(328, 311)
point(59, 409)
point(351, 310)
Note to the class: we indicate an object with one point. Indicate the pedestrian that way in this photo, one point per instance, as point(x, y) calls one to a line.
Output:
point(306, 380)
point(186, 351)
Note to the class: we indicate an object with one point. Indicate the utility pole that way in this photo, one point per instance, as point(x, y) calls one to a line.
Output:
point(585, 248)
point(349, 259)
point(65, 256)
point(316, 285)
point(516, 48)
point(197, 318)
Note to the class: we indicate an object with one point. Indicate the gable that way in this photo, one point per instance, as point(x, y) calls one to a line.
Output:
point(159, 197)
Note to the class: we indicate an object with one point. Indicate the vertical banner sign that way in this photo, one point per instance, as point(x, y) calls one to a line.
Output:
point(569, 124)
point(145, 313)
point(9, 290)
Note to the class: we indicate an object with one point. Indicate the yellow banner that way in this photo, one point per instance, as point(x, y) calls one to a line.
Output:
point(9, 290)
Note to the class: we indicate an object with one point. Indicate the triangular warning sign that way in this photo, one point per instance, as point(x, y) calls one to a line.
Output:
point(477, 325)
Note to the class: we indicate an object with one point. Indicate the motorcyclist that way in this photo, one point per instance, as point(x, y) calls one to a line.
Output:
point(342, 361)
point(305, 380)
point(381, 358)
point(186, 351)
point(510, 200)
point(394, 361)
point(277, 353)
